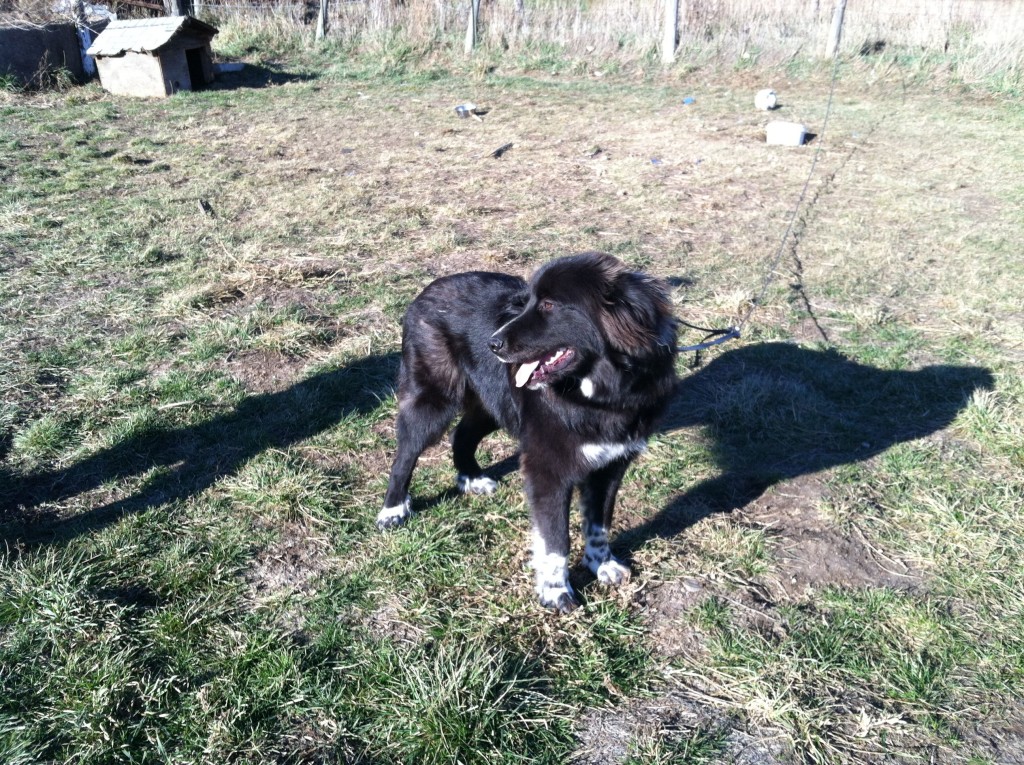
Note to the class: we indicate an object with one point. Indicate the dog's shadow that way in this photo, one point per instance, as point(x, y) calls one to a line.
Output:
point(193, 457)
point(770, 412)
point(775, 411)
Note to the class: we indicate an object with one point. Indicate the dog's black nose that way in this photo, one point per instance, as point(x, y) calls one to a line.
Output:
point(496, 344)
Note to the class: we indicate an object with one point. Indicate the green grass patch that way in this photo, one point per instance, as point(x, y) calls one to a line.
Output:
point(200, 307)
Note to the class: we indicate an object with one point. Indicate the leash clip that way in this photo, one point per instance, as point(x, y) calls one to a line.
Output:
point(720, 336)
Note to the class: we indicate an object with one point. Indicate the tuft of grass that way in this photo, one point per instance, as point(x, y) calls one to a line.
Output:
point(604, 658)
point(284, 490)
point(46, 437)
point(693, 747)
point(464, 702)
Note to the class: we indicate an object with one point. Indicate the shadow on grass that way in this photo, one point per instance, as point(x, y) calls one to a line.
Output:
point(776, 411)
point(197, 456)
point(770, 412)
point(257, 76)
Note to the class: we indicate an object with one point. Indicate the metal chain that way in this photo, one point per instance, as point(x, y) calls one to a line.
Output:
point(735, 331)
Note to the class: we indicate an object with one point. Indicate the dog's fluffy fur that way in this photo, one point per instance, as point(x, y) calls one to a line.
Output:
point(578, 363)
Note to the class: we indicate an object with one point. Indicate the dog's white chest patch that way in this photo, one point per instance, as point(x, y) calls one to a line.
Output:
point(600, 455)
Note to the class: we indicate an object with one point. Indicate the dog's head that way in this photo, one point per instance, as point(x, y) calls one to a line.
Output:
point(581, 307)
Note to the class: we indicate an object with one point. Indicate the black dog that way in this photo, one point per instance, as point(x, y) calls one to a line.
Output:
point(578, 364)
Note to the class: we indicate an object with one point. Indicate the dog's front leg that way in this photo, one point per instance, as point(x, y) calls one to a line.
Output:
point(597, 502)
point(549, 497)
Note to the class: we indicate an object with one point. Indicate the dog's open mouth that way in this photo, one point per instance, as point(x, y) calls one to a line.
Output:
point(534, 373)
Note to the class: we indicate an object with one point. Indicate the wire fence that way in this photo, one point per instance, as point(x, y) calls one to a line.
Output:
point(789, 26)
point(989, 31)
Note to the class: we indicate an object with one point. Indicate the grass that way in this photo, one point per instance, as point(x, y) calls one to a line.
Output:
point(197, 418)
point(978, 40)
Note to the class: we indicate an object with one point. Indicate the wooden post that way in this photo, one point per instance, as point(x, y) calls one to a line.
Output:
point(670, 33)
point(524, 29)
point(321, 21)
point(832, 49)
point(474, 15)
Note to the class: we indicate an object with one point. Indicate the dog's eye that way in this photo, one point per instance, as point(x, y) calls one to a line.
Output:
point(546, 305)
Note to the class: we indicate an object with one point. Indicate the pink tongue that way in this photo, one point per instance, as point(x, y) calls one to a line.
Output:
point(523, 375)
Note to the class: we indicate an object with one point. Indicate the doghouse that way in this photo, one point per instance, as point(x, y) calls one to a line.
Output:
point(154, 57)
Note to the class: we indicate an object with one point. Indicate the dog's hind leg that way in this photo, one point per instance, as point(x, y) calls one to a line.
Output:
point(475, 424)
point(597, 503)
point(426, 406)
point(418, 427)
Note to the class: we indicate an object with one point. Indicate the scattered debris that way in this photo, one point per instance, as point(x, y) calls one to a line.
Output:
point(766, 100)
point(689, 100)
point(500, 150)
point(786, 133)
point(206, 208)
point(90, 11)
point(470, 110)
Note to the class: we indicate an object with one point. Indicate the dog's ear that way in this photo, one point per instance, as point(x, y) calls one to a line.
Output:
point(637, 319)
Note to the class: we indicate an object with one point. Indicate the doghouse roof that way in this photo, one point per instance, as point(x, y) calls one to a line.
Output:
point(145, 35)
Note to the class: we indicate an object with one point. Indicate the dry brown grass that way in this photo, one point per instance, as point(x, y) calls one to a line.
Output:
point(981, 37)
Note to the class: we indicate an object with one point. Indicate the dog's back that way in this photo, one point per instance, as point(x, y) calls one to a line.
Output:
point(445, 354)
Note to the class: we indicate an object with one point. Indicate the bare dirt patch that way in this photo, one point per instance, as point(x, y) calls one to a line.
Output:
point(386, 622)
point(288, 568)
point(665, 607)
point(1002, 739)
point(811, 552)
point(610, 735)
point(264, 371)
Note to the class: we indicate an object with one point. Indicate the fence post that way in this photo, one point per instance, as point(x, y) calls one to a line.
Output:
point(837, 30)
point(321, 21)
point(474, 15)
point(670, 33)
point(947, 23)
point(524, 29)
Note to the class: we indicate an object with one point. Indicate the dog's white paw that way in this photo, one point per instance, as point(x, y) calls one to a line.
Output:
point(612, 572)
point(561, 599)
point(552, 574)
point(598, 556)
point(479, 485)
point(392, 517)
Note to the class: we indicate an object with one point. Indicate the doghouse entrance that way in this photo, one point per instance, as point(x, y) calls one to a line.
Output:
point(194, 59)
